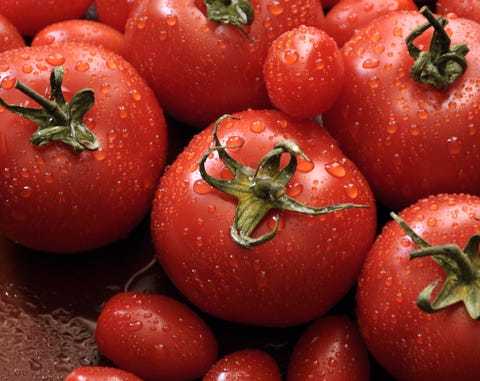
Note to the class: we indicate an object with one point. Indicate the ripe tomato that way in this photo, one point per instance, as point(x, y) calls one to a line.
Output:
point(114, 12)
point(331, 348)
point(311, 262)
point(10, 37)
point(29, 16)
point(347, 16)
point(201, 69)
point(463, 8)
point(53, 198)
point(246, 364)
point(100, 373)
point(81, 30)
point(303, 71)
point(155, 337)
point(409, 139)
point(408, 342)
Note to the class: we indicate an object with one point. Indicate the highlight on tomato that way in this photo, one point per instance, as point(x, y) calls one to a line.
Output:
point(263, 220)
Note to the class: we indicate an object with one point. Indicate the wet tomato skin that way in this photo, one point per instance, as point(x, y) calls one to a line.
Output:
point(57, 200)
point(407, 342)
point(100, 373)
point(403, 135)
point(300, 273)
point(245, 364)
point(330, 348)
point(10, 37)
point(155, 337)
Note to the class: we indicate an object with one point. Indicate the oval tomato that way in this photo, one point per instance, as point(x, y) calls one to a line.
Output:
point(10, 37)
point(29, 16)
point(246, 364)
point(410, 139)
point(303, 72)
point(100, 373)
point(347, 16)
point(408, 342)
point(293, 277)
point(201, 69)
point(53, 198)
point(331, 348)
point(81, 30)
point(155, 337)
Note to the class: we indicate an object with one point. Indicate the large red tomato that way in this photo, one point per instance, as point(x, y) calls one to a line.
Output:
point(53, 198)
point(206, 243)
point(411, 343)
point(201, 69)
point(411, 139)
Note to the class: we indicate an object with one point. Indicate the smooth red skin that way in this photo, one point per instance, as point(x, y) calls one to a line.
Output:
point(30, 16)
point(243, 365)
point(53, 199)
point(347, 16)
point(84, 31)
point(298, 275)
point(100, 373)
point(10, 37)
point(407, 139)
point(330, 349)
point(303, 72)
point(201, 70)
point(462, 8)
point(114, 12)
point(327, 4)
point(155, 337)
point(409, 343)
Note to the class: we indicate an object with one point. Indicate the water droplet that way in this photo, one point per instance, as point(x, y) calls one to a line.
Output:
point(122, 112)
point(370, 63)
point(171, 20)
point(8, 82)
point(294, 189)
point(99, 154)
point(352, 190)
point(27, 68)
point(105, 88)
point(422, 114)
point(374, 83)
point(258, 126)
point(234, 143)
point(304, 165)
point(432, 222)
point(135, 95)
point(405, 242)
point(82, 66)
point(111, 64)
point(335, 169)
point(368, 7)
point(55, 59)
point(200, 187)
point(134, 326)
point(26, 192)
point(275, 8)
point(290, 57)
point(4, 67)
point(454, 145)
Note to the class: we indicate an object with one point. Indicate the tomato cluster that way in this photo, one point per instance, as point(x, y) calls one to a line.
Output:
point(239, 190)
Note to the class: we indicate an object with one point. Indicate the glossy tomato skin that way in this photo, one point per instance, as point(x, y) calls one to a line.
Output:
point(10, 37)
point(155, 337)
point(296, 276)
point(100, 373)
point(330, 349)
point(29, 16)
point(114, 12)
point(462, 8)
point(201, 70)
point(54, 199)
point(347, 16)
point(408, 342)
point(245, 364)
point(408, 139)
point(81, 30)
point(303, 71)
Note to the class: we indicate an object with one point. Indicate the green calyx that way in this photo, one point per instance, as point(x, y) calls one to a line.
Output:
point(462, 267)
point(260, 190)
point(58, 120)
point(233, 12)
point(440, 65)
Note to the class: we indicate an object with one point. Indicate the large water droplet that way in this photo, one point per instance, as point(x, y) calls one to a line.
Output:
point(335, 169)
point(201, 187)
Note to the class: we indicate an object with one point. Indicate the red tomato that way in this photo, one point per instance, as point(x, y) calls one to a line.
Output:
point(303, 72)
point(246, 364)
point(100, 373)
point(53, 198)
point(327, 4)
point(81, 30)
point(10, 37)
point(330, 349)
point(114, 12)
point(463, 8)
point(298, 274)
point(347, 16)
point(202, 69)
point(408, 342)
point(29, 16)
point(408, 138)
point(155, 337)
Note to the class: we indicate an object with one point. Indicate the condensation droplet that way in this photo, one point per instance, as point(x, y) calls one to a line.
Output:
point(99, 154)
point(454, 145)
point(55, 59)
point(200, 187)
point(234, 143)
point(422, 114)
point(258, 126)
point(134, 326)
point(8, 82)
point(352, 190)
point(335, 169)
point(82, 66)
point(304, 165)
point(370, 63)
point(290, 57)
point(171, 20)
point(294, 189)
point(275, 8)
point(26, 192)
